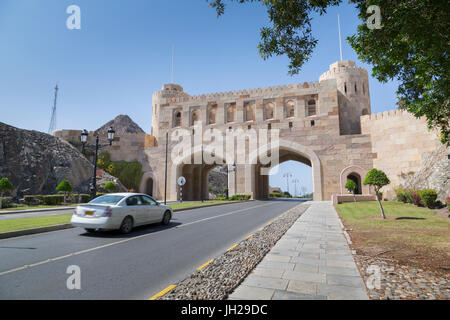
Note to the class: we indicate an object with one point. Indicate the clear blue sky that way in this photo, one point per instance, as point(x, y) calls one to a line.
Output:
point(122, 54)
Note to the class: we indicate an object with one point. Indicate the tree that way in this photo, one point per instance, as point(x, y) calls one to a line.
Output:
point(64, 187)
point(110, 187)
point(5, 186)
point(351, 186)
point(378, 179)
point(411, 46)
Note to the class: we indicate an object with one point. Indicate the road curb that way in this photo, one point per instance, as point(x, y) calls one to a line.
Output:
point(26, 232)
point(36, 210)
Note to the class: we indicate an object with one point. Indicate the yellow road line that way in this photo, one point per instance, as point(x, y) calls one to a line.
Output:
point(232, 247)
point(250, 236)
point(261, 229)
point(204, 265)
point(166, 290)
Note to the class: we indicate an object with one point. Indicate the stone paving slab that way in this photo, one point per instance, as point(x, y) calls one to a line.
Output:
point(312, 261)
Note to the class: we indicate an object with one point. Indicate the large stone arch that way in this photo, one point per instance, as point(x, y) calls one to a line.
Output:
point(290, 150)
point(191, 170)
point(353, 170)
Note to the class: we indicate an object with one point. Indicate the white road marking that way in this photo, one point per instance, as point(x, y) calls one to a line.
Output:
point(122, 241)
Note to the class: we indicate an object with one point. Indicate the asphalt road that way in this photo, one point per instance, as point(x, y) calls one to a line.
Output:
point(134, 266)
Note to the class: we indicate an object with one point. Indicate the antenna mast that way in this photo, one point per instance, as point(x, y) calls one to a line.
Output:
point(340, 41)
point(52, 126)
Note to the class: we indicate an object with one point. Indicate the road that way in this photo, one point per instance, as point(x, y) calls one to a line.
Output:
point(134, 266)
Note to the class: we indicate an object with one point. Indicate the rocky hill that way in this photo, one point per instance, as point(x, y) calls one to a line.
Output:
point(434, 174)
point(36, 162)
point(122, 124)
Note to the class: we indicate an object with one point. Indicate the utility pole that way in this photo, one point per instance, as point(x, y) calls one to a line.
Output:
point(287, 176)
point(165, 171)
point(52, 126)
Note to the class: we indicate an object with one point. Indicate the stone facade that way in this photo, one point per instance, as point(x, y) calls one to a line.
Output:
point(325, 124)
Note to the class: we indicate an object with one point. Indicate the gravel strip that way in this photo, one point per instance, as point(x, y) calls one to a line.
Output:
point(400, 282)
point(218, 279)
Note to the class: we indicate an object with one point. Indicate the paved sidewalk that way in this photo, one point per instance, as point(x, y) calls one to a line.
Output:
point(311, 261)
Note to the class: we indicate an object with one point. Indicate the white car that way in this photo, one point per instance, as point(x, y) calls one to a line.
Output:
point(120, 211)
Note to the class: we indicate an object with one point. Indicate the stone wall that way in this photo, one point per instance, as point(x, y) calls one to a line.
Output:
point(400, 144)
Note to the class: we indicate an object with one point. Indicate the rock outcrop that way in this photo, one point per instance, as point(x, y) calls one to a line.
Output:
point(36, 162)
point(218, 180)
point(434, 174)
point(122, 124)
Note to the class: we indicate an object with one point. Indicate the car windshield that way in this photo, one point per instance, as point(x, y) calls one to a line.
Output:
point(109, 199)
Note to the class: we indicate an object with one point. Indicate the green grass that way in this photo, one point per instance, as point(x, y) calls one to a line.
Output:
point(406, 224)
point(36, 222)
point(35, 207)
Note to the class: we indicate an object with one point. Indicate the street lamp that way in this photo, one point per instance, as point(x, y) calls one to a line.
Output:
point(84, 138)
point(295, 181)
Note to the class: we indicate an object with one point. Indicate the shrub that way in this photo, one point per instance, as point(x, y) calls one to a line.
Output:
point(110, 186)
point(33, 200)
point(52, 200)
point(448, 203)
point(428, 197)
point(221, 198)
point(413, 197)
point(275, 194)
point(6, 202)
point(240, 197)
point(400, 195)
point(287, 194)
point(84, 198)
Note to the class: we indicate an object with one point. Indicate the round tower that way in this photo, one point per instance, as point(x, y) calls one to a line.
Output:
point(353, 94)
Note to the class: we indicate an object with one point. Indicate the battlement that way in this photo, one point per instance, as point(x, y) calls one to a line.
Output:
point(238, 93)
point(347, 66)
point(387, 114)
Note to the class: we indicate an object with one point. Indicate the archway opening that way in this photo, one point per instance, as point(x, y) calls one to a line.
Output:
point(149, 187)
point(357, 179)
point(293, 175)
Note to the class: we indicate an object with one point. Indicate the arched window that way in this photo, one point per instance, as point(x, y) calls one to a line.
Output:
point(177, 119)
point(195, 116)
point(290, 109)
point(212, 114)
point(249, 108)
point(357, 179)
point(311, 111)
point(231, 112)
point(268, 111)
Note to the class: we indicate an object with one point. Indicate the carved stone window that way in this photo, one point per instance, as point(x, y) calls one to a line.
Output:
point(212, 111)
point(177, 122)
point(230, 112)
point(195, 116)
point(249, 111)
point(290, 109)
point(269, 111)
point(311, 108)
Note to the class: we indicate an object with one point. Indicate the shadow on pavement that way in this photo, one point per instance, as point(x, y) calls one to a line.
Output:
point(137, 231)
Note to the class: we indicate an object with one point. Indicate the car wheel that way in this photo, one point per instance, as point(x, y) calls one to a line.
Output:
point(90, 230)
point(166, 218)
point(127, 225)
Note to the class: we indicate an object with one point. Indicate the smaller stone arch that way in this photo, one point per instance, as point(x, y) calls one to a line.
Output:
point(177, 122)
point(195, 116)
point(357, 174)
point(231, 112)
point(148, 184)
point(212, 114)
point(269, 111)
point(311, 109)
point(290, 109)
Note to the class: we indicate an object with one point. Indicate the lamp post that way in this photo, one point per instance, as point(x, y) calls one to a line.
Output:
point(233, 169)
point(84, 138)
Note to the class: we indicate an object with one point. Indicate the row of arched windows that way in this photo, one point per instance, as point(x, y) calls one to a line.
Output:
point(249, 112)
